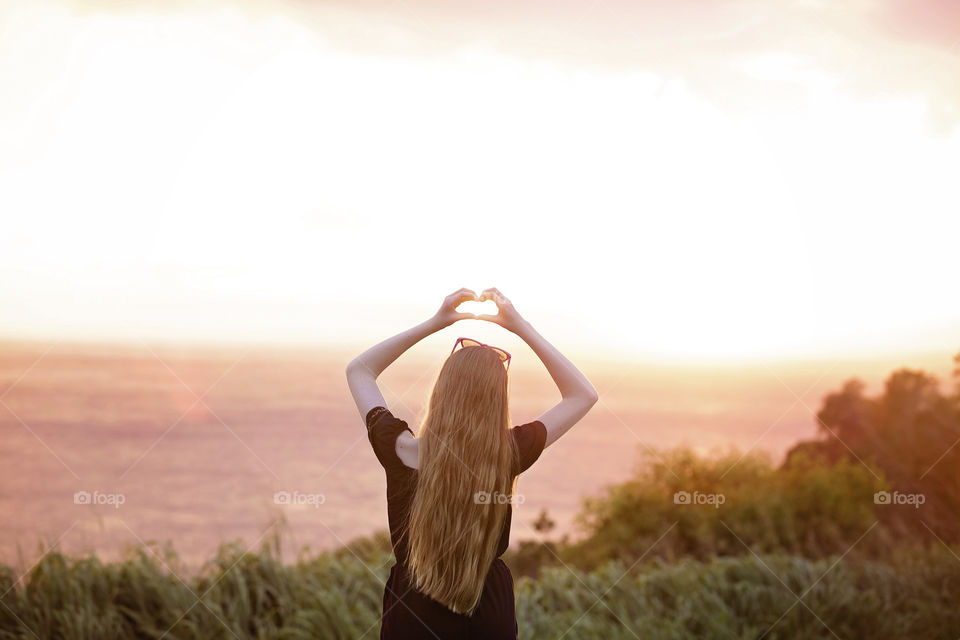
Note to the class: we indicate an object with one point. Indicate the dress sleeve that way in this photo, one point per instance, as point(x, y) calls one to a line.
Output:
point(382, 431)
point(530, 438)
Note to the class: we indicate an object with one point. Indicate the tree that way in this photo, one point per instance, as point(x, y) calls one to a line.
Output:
point(847, 418)
point(956, 371)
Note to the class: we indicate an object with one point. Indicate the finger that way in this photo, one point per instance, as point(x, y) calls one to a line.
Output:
point(494, 294)
point(488, 318)
point(457, 298)
point(459, 292)
point(463, 315)
point(488, 294)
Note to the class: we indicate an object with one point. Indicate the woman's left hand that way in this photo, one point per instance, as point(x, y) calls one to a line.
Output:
point(448, 313)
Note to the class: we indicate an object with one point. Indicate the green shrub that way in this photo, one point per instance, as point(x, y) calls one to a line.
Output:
point(338, 595)
point(809, 509)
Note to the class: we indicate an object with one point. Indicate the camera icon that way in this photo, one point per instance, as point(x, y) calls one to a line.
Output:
point(481, 497)
point(681, 497)
point(81, 497)
point(281, 497)
point(881, 497)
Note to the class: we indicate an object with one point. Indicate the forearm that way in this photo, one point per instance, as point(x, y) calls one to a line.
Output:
point(569, 380)
point(378, 357)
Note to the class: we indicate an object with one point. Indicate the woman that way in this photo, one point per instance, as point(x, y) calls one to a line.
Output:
point(449, 490)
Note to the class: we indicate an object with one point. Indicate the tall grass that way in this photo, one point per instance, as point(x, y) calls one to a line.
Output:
point(338, 595)
point(912, 596)
point(236, 595)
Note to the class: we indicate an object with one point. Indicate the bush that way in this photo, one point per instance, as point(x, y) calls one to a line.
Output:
point(808, 509)
point(338, 595)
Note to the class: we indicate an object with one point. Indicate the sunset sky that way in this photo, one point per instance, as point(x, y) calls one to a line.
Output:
point(723, 179)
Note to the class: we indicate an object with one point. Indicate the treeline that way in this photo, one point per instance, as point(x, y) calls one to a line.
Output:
point(884, 471)
point(909, 433)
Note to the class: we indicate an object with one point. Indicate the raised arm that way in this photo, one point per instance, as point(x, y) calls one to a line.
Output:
point(362, 372)
point(576, 392)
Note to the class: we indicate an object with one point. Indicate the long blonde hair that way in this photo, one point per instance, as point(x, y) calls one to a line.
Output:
point(465, 480)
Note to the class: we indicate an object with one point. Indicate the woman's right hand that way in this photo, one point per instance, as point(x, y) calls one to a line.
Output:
point(507, 317)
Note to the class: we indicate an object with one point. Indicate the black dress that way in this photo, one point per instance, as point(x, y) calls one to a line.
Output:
point(409, 614)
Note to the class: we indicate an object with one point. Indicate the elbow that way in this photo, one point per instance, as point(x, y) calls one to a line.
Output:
point(592, 396)
point(588, 396)
point(357, 369)
point(354, 368)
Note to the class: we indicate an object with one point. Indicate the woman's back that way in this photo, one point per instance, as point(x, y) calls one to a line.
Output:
point(409, 613)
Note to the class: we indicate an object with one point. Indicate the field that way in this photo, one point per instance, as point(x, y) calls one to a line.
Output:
point(337, 595)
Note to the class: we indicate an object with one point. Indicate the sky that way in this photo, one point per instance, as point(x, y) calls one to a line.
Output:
point(719, 180)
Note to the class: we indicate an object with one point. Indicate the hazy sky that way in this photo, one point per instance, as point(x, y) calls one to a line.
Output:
point(700, 179)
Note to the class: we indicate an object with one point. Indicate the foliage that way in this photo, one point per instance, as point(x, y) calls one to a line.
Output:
point(909, 434)
point(910, 595)
point(237, 595)
point(336, 595)
point(808, 509)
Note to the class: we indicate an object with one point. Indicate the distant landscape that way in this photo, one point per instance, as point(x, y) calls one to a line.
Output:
point(850, 532)
point(124, 419)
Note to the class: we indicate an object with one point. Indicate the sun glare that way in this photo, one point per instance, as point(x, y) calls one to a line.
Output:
point(266, 159)
point(486, 307)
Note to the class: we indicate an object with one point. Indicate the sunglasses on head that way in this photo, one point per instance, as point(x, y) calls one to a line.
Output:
point(469, 342)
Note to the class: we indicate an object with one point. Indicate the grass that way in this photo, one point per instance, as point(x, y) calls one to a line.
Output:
point(911, 594)
point(748, 597)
